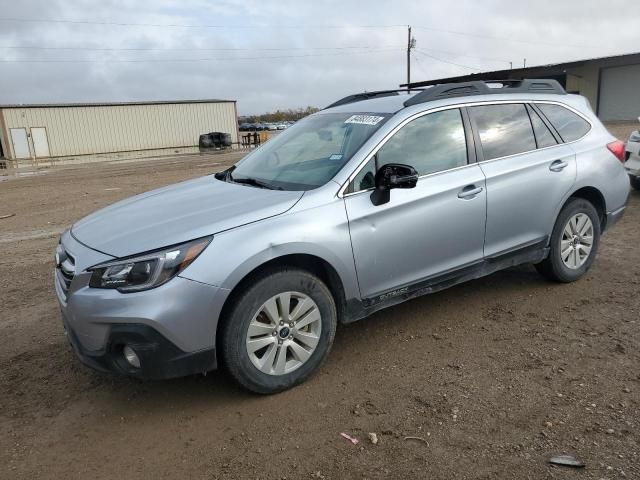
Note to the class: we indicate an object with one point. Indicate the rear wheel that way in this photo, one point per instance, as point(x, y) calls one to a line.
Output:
point(574, 242)
point(635, 182)
point(279, 331)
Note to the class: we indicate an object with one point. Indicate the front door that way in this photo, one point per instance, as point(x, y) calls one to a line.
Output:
point(20, 143)
point(432, 229)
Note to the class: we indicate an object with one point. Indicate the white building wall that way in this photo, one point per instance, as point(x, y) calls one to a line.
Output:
point(86, 130)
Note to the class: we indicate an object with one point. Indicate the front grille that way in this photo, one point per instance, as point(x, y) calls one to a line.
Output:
point(65, 268)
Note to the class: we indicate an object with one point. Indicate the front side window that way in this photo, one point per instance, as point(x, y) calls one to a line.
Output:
point(430, 144)
point(309, 153)
point(504, 129)
point(569, 125)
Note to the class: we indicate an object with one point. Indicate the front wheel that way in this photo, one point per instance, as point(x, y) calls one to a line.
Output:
point(279, 331)
point(574, 242)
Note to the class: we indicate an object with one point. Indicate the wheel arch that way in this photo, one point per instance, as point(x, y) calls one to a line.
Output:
point(303, 261)
point(596, 198)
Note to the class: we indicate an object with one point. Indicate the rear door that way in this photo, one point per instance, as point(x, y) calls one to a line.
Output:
point(527, 174)
point(423, 232)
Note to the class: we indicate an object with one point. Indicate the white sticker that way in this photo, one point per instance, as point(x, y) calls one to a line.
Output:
point(336, 156)
point(364, 119)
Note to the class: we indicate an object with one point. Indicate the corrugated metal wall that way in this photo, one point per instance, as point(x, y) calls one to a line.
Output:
point(85, 130)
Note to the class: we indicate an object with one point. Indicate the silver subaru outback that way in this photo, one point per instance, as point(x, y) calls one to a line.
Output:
point(377, 199)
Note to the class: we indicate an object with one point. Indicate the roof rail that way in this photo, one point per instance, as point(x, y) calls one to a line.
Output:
point(357, 97)
point(486, 87)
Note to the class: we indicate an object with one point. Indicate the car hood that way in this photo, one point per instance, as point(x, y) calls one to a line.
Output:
point(178, 213)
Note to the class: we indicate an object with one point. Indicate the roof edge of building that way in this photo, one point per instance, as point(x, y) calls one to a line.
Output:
point(505, 74)
point(113, 104)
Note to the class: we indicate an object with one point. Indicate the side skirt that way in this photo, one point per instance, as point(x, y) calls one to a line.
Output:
point(531, 253)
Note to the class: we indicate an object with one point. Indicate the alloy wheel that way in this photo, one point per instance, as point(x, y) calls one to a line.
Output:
point(577, 241)
point(284, 333)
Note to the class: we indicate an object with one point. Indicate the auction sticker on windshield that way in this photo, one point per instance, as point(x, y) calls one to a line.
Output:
point(364, 119)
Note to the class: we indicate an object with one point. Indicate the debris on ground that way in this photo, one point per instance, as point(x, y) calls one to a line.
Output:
point(353, 440)
point(373, 438)
point(566, 460)
point(419, 439)
point(2, 217)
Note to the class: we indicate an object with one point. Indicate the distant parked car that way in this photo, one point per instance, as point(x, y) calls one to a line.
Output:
point(271, 126)
point(632, 154)
point(245, 127)
point(281, 126)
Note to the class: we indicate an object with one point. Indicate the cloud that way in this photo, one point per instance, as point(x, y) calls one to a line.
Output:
point(490, 34)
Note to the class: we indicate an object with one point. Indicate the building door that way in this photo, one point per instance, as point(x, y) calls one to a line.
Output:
point(40, 142)
point(619, 99)
point(20, 143)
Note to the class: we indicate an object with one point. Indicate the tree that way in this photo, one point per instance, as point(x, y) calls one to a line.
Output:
point(279, 115)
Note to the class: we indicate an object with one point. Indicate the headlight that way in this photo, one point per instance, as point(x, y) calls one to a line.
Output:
point(146, 271)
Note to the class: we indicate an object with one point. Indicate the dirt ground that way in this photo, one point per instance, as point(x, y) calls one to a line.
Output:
point(485, 380)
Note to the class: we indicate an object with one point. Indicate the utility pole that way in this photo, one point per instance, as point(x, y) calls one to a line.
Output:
point(510, 65)
point(524, 64)
point(411, 43)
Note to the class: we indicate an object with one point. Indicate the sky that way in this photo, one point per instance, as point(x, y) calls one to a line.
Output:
point(283, 54)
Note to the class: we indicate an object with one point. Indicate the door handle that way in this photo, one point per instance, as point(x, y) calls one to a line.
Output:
point(469, 192)
point(558, 166)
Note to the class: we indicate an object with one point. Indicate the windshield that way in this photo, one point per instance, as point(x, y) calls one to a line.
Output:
point(309, 153)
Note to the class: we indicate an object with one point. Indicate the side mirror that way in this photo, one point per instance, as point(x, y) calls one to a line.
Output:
point(392, 175)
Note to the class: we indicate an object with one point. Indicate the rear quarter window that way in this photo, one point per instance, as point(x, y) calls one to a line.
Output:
point(569, 125)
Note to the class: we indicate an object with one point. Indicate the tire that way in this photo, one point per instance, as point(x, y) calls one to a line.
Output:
point(554, 267)
point(261, 308)
point(635, 182)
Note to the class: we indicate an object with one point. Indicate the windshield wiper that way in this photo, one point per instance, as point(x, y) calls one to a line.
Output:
point(254, 182)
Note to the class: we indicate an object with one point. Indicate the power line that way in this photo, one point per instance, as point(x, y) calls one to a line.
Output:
point(107, 60)
point(463, 55)
point(508, 39)
point(447, 61)
point(142, 49)
point(178, 25)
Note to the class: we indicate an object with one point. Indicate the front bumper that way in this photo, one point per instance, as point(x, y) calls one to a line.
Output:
point(159, 358)
point(172, 328)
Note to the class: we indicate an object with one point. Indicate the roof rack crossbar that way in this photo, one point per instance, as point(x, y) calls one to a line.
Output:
point(486, 87)
point(357, 97)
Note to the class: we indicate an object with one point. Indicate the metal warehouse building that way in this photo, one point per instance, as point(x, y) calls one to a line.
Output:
point(66, 130)
point(612, 84)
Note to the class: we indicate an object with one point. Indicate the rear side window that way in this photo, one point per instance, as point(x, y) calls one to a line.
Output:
point(504, 129)
point(544, 137)
point(569, 125)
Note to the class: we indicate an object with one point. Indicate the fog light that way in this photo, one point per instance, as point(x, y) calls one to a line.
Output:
point(131, 356)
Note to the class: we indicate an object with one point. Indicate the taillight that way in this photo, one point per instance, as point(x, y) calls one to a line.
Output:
point(618, 149)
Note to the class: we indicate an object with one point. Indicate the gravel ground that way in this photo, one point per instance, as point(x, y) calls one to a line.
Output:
point(485, 380)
